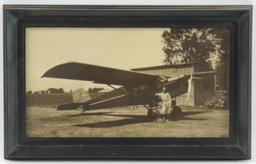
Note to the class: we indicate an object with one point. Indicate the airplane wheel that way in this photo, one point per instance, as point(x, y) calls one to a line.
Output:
point(151, 114)
point(176, 113)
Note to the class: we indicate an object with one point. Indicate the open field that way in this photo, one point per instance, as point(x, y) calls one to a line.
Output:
point(125, 122)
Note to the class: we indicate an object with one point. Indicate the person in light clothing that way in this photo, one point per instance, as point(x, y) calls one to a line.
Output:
point(166, 103)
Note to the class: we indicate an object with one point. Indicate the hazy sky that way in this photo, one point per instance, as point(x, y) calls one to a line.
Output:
point(122, 48)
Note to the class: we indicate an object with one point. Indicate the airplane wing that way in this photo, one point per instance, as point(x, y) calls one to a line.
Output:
point(99, 74)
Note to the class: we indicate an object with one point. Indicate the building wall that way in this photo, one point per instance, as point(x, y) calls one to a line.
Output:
point(204, 89)
point(182, 99)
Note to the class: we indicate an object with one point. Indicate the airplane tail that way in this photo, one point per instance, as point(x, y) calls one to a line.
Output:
point(79, 96)
point(70, 106)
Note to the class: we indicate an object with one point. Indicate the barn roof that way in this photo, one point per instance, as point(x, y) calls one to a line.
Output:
point(198, 67)
point(165, 66)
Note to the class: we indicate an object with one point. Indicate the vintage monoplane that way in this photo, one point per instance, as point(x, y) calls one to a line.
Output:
point(136, 88)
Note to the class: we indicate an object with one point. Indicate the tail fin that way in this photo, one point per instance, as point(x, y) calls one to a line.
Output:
point(80, 96)
point(71, 106)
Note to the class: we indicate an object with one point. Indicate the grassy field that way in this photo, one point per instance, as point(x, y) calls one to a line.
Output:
point(125, 122)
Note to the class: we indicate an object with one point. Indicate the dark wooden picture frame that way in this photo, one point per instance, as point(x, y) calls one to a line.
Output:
point(19, 146)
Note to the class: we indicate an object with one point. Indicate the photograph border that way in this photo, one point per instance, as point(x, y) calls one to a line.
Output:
point(18, 146)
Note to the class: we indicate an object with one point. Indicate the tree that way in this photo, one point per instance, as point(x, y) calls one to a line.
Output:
point(208, 46)
point(223, 64)
point(189, 45)
point(55, 90)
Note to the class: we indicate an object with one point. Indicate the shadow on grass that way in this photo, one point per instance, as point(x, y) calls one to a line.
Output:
point(182, 116)
point(194, 112)
point(109, 124)
point(135, 119)
point(88, 114)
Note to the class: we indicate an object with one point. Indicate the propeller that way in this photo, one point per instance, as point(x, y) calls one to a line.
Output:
point(189, 86)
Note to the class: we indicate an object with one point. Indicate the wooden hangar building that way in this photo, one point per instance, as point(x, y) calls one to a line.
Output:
point(203, 85)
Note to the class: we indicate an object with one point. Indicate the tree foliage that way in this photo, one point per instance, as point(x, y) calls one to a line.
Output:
point(208, 46)
point(189, 45)
point(223, 64)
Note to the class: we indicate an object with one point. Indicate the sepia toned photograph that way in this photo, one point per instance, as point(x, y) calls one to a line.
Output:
point(127, 82)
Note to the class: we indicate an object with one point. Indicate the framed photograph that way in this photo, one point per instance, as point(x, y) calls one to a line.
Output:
point(127, 82)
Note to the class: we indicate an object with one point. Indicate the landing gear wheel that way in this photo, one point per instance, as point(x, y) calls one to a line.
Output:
point(150, 114)
point(176, 113)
